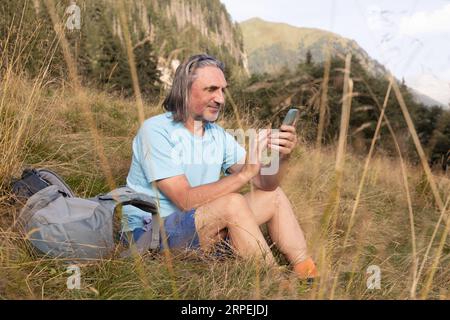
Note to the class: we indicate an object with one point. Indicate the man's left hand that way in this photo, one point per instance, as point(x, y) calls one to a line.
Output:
point(284, 141)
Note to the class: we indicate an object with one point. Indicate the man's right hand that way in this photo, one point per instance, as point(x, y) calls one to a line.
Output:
point(252, 164)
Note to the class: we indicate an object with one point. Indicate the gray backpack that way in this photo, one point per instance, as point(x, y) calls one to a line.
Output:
point(63, 226)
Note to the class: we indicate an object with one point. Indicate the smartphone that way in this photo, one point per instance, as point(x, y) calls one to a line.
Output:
point(291, 117)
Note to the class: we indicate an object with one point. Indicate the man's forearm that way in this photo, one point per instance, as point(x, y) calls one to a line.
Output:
point(200, 195)
point(271, 182)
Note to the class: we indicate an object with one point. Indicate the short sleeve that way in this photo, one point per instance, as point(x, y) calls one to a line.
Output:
point(233, 152)
point(155, 152)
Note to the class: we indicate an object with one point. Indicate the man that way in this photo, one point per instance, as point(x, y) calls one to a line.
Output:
point(178, 157)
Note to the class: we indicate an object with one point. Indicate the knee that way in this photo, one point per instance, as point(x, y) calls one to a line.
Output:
point(234, 201)
point(272, 200)
point(279, 194)
point(235, 206)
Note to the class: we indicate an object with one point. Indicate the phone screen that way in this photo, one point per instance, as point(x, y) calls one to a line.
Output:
point(291, 116)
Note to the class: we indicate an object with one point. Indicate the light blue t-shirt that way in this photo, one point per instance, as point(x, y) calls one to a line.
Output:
point(164, 148)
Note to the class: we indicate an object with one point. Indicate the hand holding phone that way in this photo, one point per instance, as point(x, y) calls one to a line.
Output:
point(284, 140)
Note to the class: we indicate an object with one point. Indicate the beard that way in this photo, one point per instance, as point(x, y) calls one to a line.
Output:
point(208, 115)
point(199, 117)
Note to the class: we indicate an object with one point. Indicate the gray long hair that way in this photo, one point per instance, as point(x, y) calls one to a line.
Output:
point(177, 99)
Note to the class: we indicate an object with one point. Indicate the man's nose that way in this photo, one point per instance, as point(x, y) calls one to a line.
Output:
point(219, 97)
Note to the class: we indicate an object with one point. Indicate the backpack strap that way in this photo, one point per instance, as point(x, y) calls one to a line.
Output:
point(127, 196)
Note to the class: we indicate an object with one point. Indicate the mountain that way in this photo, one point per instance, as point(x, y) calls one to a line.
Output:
point(180, 28)
point(273, 46)
point(424, 99)
point(432, 86)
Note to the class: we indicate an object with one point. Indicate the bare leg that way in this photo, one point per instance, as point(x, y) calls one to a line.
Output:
point(232, 212)
point(274, 208)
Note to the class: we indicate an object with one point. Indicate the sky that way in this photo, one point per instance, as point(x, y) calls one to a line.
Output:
point(410, 37)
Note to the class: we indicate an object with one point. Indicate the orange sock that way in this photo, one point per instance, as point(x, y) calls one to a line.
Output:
point(306, 269)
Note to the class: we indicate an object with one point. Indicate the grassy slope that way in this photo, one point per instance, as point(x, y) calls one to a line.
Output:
point(259, 33)
point(54, 135)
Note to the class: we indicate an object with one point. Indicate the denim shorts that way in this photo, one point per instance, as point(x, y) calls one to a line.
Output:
point(179, 228)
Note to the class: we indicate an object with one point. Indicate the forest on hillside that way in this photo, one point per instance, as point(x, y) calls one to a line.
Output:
point(159, 30)
point(267, 97)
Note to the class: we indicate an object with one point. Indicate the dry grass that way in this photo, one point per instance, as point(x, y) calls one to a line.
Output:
point(355, 212)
